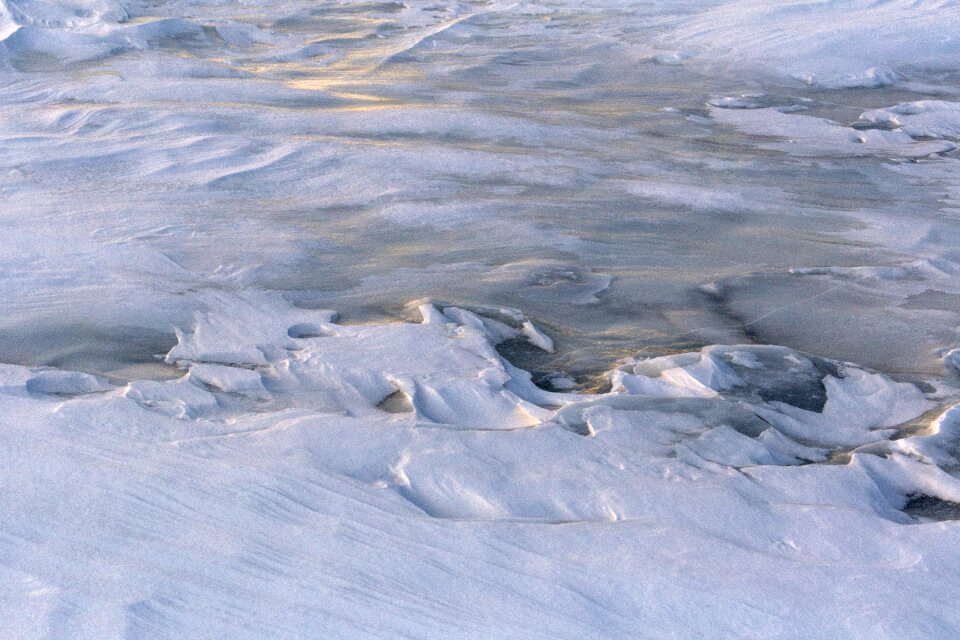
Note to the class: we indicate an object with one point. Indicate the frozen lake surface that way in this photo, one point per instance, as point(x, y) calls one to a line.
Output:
point(413, 319)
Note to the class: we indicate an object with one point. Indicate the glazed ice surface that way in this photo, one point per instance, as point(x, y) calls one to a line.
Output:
point(592, 196)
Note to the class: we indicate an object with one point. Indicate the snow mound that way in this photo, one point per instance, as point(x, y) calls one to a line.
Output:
point(447, 371)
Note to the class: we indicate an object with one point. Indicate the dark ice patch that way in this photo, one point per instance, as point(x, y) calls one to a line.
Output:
point(782, 375)
point(925, 508)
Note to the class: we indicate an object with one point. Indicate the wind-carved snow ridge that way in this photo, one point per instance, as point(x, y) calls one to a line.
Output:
point(446, 366)
point(409, 460)
point(449, 371)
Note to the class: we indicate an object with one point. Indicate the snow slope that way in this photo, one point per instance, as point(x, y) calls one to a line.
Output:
point(305, 478)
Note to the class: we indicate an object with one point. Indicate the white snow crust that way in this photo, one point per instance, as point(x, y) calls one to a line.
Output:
point(271, 491)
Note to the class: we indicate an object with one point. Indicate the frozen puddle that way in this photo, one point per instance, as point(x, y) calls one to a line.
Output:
point(304, 475)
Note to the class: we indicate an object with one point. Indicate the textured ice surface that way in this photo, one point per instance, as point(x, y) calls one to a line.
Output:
point(921, 119)
point(832, 43)
point(607, 216)
point(808, 135)
point(384, 152)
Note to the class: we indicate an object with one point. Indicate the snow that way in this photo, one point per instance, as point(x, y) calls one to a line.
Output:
point(280, 500)
point(479, 319)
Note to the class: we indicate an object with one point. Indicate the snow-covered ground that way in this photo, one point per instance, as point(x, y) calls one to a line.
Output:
point(566, 241)
point(311, 479)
